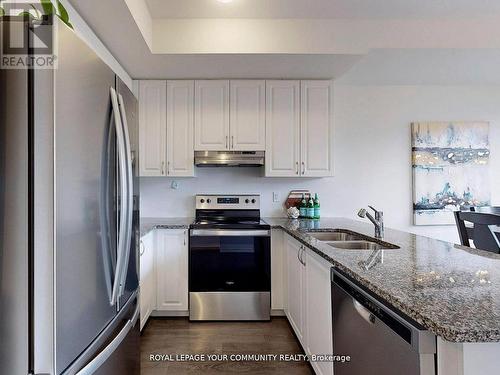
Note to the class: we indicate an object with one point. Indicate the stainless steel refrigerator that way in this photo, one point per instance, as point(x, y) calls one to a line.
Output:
point(69, 215)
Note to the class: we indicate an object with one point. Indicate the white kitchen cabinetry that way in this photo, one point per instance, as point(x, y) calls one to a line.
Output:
point(247, 115)
point(282, 128)
point(147, 277)
point(277, 270)
point(318, 311)
point(308, 301)
point(172, 270)
point(316, 134)
point(180, 128)
point(299, 128)
point(211, 115)
point(152, 127)
point(295, 287)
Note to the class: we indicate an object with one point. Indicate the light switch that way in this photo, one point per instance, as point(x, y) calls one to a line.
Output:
point(276, 196)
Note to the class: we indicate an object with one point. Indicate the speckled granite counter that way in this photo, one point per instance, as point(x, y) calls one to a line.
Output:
point(150, 223)
point(451, 290)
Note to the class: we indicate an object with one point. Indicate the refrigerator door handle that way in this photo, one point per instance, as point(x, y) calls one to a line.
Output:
point(103, 356)
point(122, 162)
point(130, 195)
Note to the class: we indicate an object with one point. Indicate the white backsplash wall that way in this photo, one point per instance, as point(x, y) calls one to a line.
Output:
point(372, 157)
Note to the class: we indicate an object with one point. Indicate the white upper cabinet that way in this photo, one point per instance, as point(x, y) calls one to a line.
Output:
point(316, 128)
point(152, 127)
point(180, 128)
point(282, 128)
point(248, 115)
point(211, 115)
point(291, 120)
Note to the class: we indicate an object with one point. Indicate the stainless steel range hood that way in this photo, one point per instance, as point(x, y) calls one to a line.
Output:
point(229, 158)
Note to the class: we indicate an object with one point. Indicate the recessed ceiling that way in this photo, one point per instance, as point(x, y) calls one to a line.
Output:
point(322, 8)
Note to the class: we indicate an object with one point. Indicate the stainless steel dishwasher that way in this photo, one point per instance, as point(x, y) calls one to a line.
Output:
point(378, 341)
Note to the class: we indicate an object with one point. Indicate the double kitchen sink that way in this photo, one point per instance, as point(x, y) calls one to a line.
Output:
point(347, 240)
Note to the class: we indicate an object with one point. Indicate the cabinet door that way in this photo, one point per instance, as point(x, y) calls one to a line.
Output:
point(152, 127)
point(277, 272)
point(295, 288)
point(180, 128)
point(316, 128)
point(248, 115)
point(147, 278)
point(172, 270)
point(318, 311)
point(282, 128)
point(211, 115)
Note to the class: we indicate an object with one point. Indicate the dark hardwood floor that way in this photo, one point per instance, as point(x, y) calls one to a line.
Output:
point(178, 336)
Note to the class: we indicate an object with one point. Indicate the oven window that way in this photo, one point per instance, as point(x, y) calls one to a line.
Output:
point(240, 264)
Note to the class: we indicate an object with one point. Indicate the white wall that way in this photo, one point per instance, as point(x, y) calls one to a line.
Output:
point(372, 156)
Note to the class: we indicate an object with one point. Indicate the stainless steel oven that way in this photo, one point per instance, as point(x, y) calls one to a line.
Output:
point(229, 262)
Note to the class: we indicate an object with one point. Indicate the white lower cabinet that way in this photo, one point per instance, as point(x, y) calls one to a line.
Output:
point(295, 287)
point(318, 306)
point(147, 277)
point(172, 270)
point(308, 301)
point(277, 270)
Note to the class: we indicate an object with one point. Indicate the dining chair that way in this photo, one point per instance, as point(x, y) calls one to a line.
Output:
point(487, 209)
point(485, 230)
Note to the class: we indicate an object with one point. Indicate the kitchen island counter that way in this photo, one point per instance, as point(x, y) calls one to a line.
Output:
point(451, 290)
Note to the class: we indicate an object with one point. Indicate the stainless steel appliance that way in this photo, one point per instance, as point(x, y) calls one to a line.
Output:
point(229, 260)
point(69, 215)
point(229, 158)
point(378, 340)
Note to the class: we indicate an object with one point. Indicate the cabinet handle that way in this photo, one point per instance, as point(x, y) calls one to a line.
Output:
point(227, 143)
point(142, 247)
point(296, 167)
point(162, 168)
point(185, 238)
point(168, 167)
point(298, 254)
point(303, 168)
point(303, 252)
point(232, 141)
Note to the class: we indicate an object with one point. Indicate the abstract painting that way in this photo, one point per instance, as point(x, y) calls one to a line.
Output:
point(450, 163)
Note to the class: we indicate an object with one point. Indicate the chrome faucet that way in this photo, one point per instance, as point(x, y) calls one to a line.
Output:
point(378, 220)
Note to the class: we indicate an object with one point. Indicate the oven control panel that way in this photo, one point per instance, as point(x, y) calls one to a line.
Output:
point(228, 202)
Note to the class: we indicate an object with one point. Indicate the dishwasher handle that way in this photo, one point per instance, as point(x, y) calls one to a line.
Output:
point(372, 310)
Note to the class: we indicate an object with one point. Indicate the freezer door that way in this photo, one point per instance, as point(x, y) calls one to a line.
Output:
point(129, 107)
point(14, 221)
point(114, 352)
point(85, 222)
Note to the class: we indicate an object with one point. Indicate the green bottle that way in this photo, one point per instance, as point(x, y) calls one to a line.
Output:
point(303, 207)
point(310, 208)
point(317, 208)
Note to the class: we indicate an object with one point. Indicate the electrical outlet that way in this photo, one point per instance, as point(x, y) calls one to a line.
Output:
point(276, 196)
point(174, 185)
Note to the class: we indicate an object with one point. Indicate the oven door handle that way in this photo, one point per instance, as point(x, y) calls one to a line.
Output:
point(229, 233)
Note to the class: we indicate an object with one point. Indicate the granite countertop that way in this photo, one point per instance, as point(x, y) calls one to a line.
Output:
point(451, 290)
point(150, 223)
